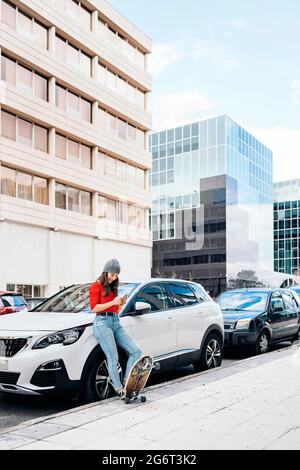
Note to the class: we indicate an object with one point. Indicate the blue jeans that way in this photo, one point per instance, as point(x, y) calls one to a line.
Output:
point(110, 334)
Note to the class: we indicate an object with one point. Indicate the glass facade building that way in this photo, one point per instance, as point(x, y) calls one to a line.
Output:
point(219, 168)
point(287, 227)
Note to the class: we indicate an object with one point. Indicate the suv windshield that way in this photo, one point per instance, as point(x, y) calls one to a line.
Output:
point(76, 299)
point(249, 301)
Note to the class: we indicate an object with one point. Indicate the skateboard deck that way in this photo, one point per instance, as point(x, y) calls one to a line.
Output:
point(137, 379)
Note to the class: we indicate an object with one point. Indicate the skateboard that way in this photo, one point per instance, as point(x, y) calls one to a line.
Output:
point(137, 379)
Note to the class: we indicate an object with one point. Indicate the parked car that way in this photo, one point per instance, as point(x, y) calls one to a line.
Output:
point(34, 301)
point(256, 318)
point(52, 349)
point(11, 302)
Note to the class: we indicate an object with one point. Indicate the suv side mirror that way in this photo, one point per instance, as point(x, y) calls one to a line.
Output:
point(141, 308)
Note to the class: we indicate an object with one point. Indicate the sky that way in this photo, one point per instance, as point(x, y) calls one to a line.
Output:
point(232, 57)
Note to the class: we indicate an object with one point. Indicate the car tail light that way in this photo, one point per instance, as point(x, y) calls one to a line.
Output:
point(6, 310)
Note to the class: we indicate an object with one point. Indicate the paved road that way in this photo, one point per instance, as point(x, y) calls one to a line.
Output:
point(15, 409)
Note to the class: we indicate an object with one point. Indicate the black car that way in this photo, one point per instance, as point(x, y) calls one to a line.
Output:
point(256, 318)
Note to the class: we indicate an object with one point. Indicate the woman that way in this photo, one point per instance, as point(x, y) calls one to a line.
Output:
point(106, 303)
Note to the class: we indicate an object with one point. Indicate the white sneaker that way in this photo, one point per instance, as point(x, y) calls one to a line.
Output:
point(121, 394)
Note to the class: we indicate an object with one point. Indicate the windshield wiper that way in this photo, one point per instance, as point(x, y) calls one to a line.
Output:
point(231, 309)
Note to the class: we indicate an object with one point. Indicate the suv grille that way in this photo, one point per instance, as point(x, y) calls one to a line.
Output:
point(9, 346)
point(9, 378)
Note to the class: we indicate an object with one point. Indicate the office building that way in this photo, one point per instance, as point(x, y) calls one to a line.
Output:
point(74, 154)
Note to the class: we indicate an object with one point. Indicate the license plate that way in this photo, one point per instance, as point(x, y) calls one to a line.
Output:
point(3, 364)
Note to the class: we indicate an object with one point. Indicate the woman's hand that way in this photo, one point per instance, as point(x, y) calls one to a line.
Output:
point(119, 300)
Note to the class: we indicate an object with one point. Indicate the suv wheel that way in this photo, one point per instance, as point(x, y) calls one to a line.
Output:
point(262, 343)
point(98, 385)
point(211, 354)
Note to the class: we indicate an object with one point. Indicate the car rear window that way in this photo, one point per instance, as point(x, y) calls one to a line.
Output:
point(13, 300)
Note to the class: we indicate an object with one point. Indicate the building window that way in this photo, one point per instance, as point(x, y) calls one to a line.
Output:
point(24, 24)
point(112, 167)
point(8, 70)
point(24, 182)
point(121, 128)
point(72, 199)
point(102, 207)
point(86, 110)
point(8, 125)
point(8, 14)
point(120, 85)
point(27, 291)
point(61, 196)
point(40, 190)
point(8, 182)
point(40, 34)
point(122, 213)
point(68, 149)
point(41, 138)
point(60, 147)
point(86, 156)
point(61, 97)
point(118, 41)
point(24, 78)
point(85, 200)
point(73, 151)
point(25, 132)
point(15, 183)
point(40, 87)
point(76, 105)
point(60, 48)
point(67, 52)
point(112, 210)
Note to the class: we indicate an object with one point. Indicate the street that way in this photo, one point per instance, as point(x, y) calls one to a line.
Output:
point(16, 409)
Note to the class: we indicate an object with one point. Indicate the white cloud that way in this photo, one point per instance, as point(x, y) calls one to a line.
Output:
point(296, 92)
point(285, 144)
point(174, 109)
point(215, 54)
point(238, 23)
point(165, 55)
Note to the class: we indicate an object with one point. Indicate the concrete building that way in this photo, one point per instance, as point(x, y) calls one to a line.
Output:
point(212, 214)
point(287, 227)
point(74, 155)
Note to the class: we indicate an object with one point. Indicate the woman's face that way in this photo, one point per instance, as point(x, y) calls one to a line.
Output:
point(112, 277)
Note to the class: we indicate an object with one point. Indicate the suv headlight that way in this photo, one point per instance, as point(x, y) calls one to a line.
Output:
point(61, 337)
point(243, 324)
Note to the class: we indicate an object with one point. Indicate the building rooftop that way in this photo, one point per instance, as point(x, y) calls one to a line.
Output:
point(287, 190)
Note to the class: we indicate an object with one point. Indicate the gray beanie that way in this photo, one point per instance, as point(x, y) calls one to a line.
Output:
point(112, 266)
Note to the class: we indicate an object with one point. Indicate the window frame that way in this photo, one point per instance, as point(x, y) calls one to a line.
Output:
point(186, 284)
point(146, 286)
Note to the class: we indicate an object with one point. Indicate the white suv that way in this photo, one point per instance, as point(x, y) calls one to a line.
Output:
point(52, 349)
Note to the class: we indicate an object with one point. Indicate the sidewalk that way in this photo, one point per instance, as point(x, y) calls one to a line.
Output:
point(254, 404)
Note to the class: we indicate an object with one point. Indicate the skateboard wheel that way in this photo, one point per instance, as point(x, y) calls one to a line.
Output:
point(127, 401)
point(143, 399)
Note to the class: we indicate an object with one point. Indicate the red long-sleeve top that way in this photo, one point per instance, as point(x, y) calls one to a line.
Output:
point(97, 297)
